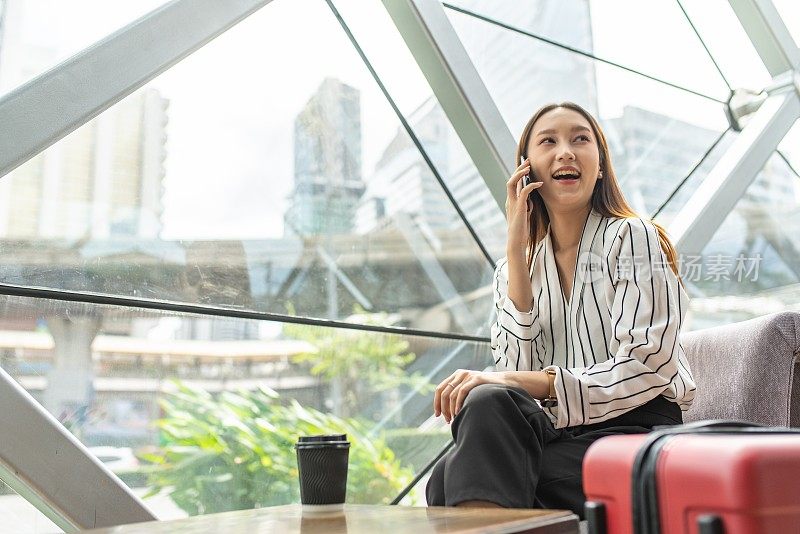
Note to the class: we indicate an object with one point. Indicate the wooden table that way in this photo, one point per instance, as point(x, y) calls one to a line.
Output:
point(364, 518)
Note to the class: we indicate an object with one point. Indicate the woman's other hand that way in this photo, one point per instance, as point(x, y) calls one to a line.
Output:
point(519, 207)
point(451, 392)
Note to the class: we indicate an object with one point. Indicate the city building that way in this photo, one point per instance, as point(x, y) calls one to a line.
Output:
point(327, 162)
point(402, 181)
point(652, 153)
point(105, 179)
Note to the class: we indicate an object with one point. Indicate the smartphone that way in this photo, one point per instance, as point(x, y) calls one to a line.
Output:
point(530, 177)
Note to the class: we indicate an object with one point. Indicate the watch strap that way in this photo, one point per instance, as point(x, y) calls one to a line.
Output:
point(551, 399)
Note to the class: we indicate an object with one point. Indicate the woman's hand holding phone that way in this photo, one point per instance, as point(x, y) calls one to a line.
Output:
point(451, 392)
point(519, 207)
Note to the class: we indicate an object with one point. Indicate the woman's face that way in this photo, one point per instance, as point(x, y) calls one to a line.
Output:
point(563, 140)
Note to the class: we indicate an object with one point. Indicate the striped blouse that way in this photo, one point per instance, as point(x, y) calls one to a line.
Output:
point(615, 342)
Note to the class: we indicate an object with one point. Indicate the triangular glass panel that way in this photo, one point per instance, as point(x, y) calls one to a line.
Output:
point(215, 185)
point(752, 264)
point(652, 37)
point(656, 133)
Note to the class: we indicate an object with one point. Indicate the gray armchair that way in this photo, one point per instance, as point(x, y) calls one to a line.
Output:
point(748, 370)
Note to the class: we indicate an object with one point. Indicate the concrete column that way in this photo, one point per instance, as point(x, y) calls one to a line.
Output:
point(69, 382)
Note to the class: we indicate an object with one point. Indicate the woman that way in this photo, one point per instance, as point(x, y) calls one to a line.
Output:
point(586, 339)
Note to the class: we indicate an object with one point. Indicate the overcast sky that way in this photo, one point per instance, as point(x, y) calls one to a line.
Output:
point(233, 103)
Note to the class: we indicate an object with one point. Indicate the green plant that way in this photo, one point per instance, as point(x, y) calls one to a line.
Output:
point(236, 451)
point(364, 363)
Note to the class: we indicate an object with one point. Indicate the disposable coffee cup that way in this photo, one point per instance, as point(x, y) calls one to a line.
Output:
point(322, 466)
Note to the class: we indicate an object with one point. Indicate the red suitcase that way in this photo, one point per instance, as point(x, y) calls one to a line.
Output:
point(708, 478)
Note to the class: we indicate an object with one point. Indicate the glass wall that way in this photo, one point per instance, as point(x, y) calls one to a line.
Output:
point(657, 78)
point(600, 29)
point(751, 266)
point(656, 132)
point(296, 214)
point(728, 43)
point(196, 422)
point(214, 185)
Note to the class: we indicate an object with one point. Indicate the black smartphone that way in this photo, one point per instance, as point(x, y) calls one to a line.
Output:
point(530, 177)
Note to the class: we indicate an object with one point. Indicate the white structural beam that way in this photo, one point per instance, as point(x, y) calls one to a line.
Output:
point(698, 220)
point(52, 105)
point(44, 463)
point(769, 35)
point(458, 88)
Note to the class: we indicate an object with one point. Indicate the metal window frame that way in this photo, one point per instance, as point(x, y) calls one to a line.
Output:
point(769, 35)
point(45, 464)
point(55, 103)
point(698, 220)
point(458, 87)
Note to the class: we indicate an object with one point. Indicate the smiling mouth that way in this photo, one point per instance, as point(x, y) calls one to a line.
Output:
point(569, 176)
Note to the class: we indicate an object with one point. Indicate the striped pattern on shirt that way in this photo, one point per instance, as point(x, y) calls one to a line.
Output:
point(615, 342)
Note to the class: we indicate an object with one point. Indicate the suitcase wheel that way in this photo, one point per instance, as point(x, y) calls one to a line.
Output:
point(710, 524)
point(595, 513)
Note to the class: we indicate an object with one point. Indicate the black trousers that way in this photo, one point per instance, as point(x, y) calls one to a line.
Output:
point(508, 452)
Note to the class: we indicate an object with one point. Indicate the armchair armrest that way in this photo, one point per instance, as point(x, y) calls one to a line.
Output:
point(748, 370)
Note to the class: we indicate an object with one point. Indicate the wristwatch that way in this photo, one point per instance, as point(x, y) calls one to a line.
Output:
point(551, 399)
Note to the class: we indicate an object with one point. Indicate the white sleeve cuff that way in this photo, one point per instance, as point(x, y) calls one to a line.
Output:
point(516, 322)
point(572, 394)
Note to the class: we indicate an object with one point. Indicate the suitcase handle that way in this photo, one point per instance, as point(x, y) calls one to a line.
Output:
point(711, 424)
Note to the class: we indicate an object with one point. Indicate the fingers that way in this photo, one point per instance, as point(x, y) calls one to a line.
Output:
point(530, 187)
point(451, 409)
point(446, 404)
point(437, 399)
point(518, 192)
point(460, 395)
point(450, 393)
point(516, 178)
point(441, 394)
point(445, 396)
point(524, 197)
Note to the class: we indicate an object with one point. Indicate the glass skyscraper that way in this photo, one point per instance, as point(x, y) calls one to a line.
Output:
point(327, 172)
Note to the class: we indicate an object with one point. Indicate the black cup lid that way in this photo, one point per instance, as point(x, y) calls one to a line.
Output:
point(322, 439)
